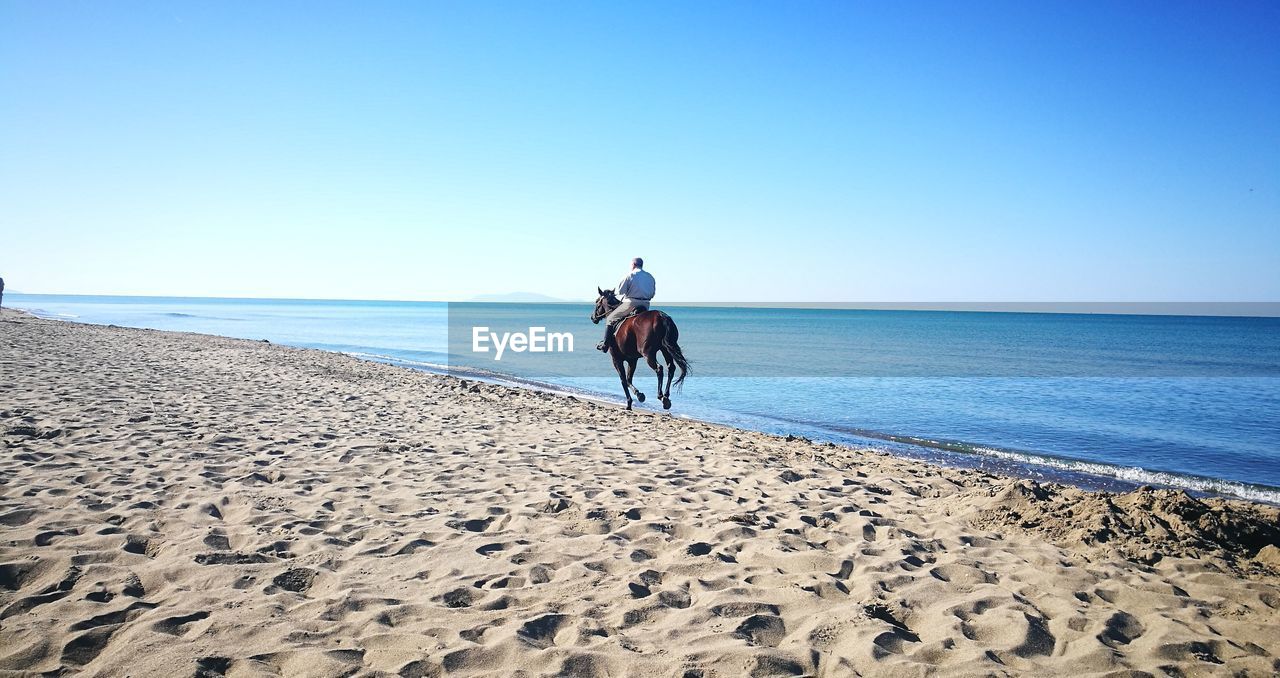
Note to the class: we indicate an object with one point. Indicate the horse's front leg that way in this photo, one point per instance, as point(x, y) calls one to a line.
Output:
point(631, 373)
point(622, 376)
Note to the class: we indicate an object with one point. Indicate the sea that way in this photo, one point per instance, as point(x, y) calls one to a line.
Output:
point(1099, 400)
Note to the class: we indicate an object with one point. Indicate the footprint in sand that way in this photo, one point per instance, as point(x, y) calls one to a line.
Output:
point(17, 518)
point(541, 574)
point(297, 580)
point(48, 538)
point(762, 629)
point(698, 549)
point(142, 546)
point(177, 626)
point(217, 541)
point(1121, 629)
point(86, 647)
point(113, 618)
point(541, 631)
point(743, 609)
point(490, 549)
point(473, 525)
point(14, 575)
point(459, 597)
point(679, 599)
point(210, 667)
point(232, 559)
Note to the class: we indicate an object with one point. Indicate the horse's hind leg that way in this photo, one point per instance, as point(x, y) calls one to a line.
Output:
point(665, 393)
point(631, 373)
point(652, 359)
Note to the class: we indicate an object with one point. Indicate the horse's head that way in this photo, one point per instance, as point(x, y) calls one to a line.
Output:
point(605, 303)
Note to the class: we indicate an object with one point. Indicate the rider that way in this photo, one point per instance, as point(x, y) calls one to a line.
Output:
point(636, 291)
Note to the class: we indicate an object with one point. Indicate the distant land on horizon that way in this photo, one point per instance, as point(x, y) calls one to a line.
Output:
point(1261, 309)
point(521, 297)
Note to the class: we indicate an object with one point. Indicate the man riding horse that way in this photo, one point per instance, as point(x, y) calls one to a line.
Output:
point(633, 332)
point(636, 291)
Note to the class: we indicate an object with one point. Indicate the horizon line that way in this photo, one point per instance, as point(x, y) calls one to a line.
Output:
point(1258, 309)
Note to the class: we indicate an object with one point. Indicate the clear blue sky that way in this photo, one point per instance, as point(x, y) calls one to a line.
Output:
point(750, 151)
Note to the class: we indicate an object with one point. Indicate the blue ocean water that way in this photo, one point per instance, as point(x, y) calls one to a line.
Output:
point(1099, 400)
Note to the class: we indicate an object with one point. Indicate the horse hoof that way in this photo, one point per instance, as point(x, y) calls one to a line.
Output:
point(628, 405)
point(639, 396)
point(666, 403)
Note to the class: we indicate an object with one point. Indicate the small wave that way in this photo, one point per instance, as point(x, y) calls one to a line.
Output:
point(179, 315)
point(1072, 471)
point(378, 357)
point(1142, 476)
point(1129, 474)
point(49, 315)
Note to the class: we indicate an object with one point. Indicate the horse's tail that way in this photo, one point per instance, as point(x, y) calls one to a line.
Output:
point(672, 349)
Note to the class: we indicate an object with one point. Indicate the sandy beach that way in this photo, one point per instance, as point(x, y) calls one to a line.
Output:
point(178, 504)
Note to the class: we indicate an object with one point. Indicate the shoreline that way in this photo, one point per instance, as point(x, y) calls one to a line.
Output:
point(954, 454)
point(176, 501)
point(985, 457)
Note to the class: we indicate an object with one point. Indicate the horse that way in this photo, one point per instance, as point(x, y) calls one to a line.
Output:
point(643, 335)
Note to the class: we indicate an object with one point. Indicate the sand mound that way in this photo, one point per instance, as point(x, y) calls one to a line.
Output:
point(1144, 525)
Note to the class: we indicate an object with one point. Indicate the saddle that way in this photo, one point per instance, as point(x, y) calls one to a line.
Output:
point(634, 312)
point(613, 329)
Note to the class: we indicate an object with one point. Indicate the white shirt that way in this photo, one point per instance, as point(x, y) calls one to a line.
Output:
point(637, 286)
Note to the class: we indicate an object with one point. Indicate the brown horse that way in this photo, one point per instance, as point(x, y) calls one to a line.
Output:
point(643, 335)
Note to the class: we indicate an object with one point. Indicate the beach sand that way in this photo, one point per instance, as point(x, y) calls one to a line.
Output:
point(176, 504)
